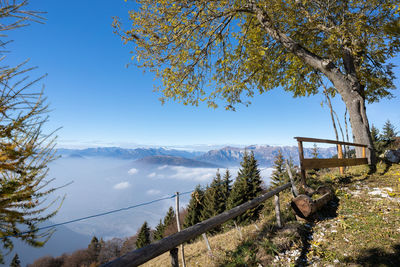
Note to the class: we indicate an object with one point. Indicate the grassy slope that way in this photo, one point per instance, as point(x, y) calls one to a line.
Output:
point(360, 228)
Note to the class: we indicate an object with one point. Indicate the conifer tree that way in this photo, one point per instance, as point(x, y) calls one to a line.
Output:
point(25, 148)
point(278, 176)
point(254, 177)
point(226, 187)
point(195, 208)
point(388, 135)
point(314, 152)
point(15, 261)
point(376, 139)
point(213, 198)
point(246, 187)
point(159, 231)
point(169, 217)
point(143, 238)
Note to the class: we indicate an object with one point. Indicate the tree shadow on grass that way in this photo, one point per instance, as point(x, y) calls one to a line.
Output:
point(306, 233)
point(388, 164)
point(377, 257)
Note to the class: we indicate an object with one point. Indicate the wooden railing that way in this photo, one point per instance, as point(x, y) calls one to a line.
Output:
point(142, 255)
point(307, 163)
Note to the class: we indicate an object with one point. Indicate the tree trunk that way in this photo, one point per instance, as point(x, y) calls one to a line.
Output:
point(355, 104)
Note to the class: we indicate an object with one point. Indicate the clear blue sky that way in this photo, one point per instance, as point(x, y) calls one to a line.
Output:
point(98, 101)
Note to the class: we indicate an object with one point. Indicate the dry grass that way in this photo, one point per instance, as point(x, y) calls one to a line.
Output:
point(229, 249)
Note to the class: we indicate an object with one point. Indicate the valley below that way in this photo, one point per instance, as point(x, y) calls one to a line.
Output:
point(100, 180)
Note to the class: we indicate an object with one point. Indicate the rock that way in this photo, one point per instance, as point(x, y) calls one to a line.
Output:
point(392, 156)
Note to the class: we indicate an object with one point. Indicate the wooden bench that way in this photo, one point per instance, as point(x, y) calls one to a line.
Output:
point(303, 204)
point(307, 163)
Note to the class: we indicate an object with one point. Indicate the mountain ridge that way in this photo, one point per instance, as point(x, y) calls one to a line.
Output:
point(226, 156)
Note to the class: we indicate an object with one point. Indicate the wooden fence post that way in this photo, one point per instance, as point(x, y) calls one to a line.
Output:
point(278, 211)
point(340, 156)
point(207, 243)
point(239, 229)
point(294, 188)
point(174, 257)
point(303, 171)
point(178, 224)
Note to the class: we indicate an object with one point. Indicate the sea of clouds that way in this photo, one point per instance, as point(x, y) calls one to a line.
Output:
point(97, 185)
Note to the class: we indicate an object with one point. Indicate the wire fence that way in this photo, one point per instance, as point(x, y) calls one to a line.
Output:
point(101, 214)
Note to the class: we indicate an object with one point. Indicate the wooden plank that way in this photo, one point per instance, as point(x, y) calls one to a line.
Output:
point(207, 243)
point(278, 211)
point(316, 140)
point(144, 254)
point(294, 189)
point(330, 163)
point(340, 156)
point(302, 170)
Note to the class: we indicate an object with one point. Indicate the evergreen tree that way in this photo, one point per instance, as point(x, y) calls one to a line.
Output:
point(254, 177)
point(159, 231)
point(226, 187)
point(314, 152)
point(388, 135)
point(213, 198)
point(143, 238)
point(246, 187)
point(15, 261)
point(25, 148)
point(169, 217)
point(195, 208)
point(278, 176)
point(376, 140)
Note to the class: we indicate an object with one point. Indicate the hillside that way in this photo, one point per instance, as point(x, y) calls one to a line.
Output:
point(360, 228)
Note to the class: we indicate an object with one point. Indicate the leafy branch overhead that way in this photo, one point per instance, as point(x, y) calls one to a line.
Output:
point(209, 50)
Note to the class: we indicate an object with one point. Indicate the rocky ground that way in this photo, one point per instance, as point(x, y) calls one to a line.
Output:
point(360, 228)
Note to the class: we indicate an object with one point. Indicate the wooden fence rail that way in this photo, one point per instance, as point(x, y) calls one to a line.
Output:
point(142, 255)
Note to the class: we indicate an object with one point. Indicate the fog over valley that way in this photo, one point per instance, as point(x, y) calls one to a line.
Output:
point(99, 180)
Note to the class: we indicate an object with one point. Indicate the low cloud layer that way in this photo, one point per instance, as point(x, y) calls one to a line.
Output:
point(195, 174)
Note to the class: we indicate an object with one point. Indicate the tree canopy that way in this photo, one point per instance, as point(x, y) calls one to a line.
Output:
point(246, 46)
point(227, 51)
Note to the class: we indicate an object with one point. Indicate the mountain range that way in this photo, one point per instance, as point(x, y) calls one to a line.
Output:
point(224, 157)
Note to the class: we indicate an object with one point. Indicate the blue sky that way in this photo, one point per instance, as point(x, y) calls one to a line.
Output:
point(100, 102)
